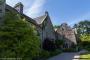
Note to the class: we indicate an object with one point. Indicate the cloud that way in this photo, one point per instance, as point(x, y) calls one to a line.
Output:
point(36, 8)
point(12, 2)
point(32, 8)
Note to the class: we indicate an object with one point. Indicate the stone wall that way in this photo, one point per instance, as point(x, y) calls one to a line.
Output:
point(2, 10)
point(50, 33)
point(67, 34)
point(46, 30)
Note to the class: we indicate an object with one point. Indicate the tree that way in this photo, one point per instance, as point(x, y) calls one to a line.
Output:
point(75, 26)
point(85, 37)
point(85, 41)
point(17, 38)
point(83, 26)
point(56, 26)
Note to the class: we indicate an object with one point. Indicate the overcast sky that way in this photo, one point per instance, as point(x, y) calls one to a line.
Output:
point(60, 11)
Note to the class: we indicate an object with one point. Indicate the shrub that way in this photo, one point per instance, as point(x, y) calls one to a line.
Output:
point(48, 45)
point(45, 54)
point(85, 37)
point(69, 50)
point(59, 43)
point(55, 52)
point(17, 38)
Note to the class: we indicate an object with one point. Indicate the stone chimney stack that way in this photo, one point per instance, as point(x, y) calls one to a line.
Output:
point(19, 7)
point(2, 10)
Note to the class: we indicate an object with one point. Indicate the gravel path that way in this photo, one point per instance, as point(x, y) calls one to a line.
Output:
point(66, 56)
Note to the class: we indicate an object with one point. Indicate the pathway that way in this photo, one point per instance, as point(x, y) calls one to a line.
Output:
point(66, 56)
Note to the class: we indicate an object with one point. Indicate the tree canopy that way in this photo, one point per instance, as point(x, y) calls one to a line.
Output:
point(83, 26)
point(85, 37)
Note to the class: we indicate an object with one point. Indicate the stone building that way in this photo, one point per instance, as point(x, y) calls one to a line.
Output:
point(2, 10)
point(46, 30)
point(66, 33)
point(19, 7)
point(42, 24)
point(19, 10)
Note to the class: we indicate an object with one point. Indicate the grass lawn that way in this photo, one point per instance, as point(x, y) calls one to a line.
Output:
point(85, 56)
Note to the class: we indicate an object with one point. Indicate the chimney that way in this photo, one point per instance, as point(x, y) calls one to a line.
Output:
point(19, 7)
point(2, 10)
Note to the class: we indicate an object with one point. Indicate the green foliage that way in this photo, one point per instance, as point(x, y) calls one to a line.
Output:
point(48, 45)
point(59, 43)
point(82, 26)
point(56, 26)
point(85, 37)
point(46, 54)
point(85, 41)
point(85, 56)
point(17, 38)
point(55, 52)
point(51, 48)
point(83, 29)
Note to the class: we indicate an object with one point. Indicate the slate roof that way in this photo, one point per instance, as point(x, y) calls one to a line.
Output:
point(39, 20)
point(66, 29)
point(27, 18)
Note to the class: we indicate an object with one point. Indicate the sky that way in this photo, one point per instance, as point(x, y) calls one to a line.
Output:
point(60, 11)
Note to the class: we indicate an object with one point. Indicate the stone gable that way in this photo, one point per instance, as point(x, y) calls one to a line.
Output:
point(46, 30)
point(66, 33)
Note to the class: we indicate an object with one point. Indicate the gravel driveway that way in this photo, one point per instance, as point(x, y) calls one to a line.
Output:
point(66, 56)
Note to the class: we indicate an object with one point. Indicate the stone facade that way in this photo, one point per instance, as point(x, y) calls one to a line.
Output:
point(67, 34)
point(2, 10)
point(46, 29)
point(43, 25)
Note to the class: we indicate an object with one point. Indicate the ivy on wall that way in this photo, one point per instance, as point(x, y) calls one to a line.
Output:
point(17, 38)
